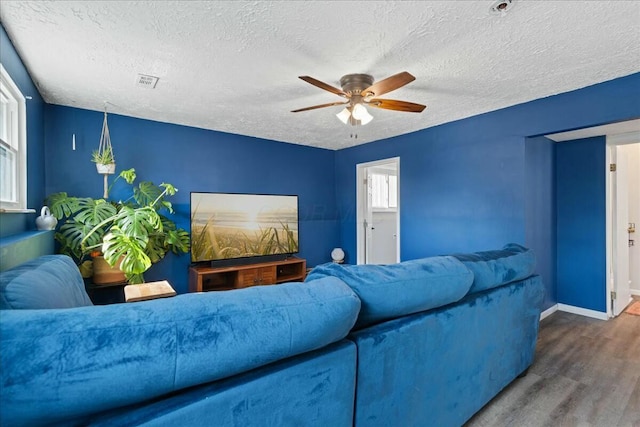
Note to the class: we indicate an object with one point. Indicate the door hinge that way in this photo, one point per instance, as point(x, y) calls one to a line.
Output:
point(613, 294)
point(612, 167)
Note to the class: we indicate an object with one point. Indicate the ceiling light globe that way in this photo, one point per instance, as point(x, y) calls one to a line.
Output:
point(361, 113)
point(344, 116)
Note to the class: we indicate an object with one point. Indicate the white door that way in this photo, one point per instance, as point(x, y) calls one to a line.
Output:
point(383, 238)
point(368, 217)
point(620, 233)
point(377, 222)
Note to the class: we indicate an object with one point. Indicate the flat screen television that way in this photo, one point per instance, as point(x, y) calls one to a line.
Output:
point(228, 228)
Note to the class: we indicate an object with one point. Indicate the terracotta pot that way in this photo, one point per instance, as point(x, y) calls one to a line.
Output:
point(104, 274)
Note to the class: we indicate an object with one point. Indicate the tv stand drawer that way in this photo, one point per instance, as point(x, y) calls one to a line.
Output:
point(256, 276)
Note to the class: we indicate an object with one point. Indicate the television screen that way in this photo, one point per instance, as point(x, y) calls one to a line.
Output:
point(228, 226)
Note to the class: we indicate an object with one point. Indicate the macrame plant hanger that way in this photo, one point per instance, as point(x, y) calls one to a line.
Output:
point(106, 150)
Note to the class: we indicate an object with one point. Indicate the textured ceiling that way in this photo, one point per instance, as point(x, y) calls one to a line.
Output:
point(233, 66)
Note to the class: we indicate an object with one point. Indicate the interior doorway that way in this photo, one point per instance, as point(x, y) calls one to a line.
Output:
point(617, 134)
point(378, 211)
point(623, 213)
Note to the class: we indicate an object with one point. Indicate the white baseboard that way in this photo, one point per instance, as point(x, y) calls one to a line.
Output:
point(635, 292)
point(583, 311)
point(548, 312)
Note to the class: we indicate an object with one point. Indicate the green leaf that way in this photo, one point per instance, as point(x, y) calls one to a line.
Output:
point(71, 235)
point(157, 247)
point(134, 279)
point(129, 175)
point(103, 157)
point(138, 223)
point(132, 251)
point(169, 189)
point(93, 212)
point(62, 206)
point(178, 241)
point(167, 205)
point(146, 193)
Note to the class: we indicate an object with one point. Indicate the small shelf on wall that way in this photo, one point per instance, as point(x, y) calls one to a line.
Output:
point(21, 247)
point(18, 211)
point(202, 279)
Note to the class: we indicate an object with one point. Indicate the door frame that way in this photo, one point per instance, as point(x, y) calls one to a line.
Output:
point(361, 195)
point(612, 141)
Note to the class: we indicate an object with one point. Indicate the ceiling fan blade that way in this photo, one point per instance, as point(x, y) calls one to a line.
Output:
point(323, 85)
point(387, 85)
point(320, 106)
point(390, 104)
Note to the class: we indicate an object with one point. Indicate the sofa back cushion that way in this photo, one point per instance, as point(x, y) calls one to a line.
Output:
point(496, 268)
point(389, 291)
point(60, 365)
point(49, 281)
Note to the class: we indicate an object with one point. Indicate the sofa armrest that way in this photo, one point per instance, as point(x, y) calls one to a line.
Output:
point(48, 281)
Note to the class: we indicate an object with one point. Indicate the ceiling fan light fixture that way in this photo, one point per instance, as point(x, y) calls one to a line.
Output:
point(344, 115)
point(360, 113)
point(360, 90)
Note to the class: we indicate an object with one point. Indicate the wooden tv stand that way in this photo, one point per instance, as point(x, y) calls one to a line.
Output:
point(242, 276)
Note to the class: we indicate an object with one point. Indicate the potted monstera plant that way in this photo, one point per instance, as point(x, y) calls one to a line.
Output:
point(133, 234)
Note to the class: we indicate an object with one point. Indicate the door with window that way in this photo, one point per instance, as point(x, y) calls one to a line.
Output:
point(378, 219)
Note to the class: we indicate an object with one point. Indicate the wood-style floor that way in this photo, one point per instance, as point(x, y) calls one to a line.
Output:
point(586, 373)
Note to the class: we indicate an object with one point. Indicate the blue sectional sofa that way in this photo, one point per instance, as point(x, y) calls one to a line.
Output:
point(421, 343)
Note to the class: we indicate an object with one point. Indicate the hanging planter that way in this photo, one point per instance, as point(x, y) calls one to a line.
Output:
point(106, 168)
point(103, 157)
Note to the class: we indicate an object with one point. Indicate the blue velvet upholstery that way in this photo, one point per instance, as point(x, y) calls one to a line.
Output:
point(49, 281)
point(440, 367)
point(496, 268)
point(424, 353)
point(389, 291)
point(313, 389)
point(66, 363)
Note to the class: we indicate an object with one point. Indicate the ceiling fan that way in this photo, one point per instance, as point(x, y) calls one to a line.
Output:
point(360, 90)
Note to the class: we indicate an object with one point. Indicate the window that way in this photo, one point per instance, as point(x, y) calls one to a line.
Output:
point(384, 191)
point(13, 144)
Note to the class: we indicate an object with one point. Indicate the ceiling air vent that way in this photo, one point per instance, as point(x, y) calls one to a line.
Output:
point(146, 81)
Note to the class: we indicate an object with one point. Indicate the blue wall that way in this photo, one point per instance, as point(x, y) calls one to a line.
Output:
point(581, 228)
point(457, 193)
point(16, 223)
point(464, 185)
point(540, 210)
point(195, 160)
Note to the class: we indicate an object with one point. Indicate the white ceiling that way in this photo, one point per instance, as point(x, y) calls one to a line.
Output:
point(233, 66)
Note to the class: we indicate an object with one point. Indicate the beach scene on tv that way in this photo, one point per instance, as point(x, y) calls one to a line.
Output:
point(226, 226)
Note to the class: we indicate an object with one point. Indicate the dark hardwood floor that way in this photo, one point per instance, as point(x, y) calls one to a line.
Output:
point(586, 373)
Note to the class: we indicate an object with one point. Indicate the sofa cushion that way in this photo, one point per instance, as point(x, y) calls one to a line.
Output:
point(496, 268)
point(395, 290)
point(59, 365)
point(49, 281)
